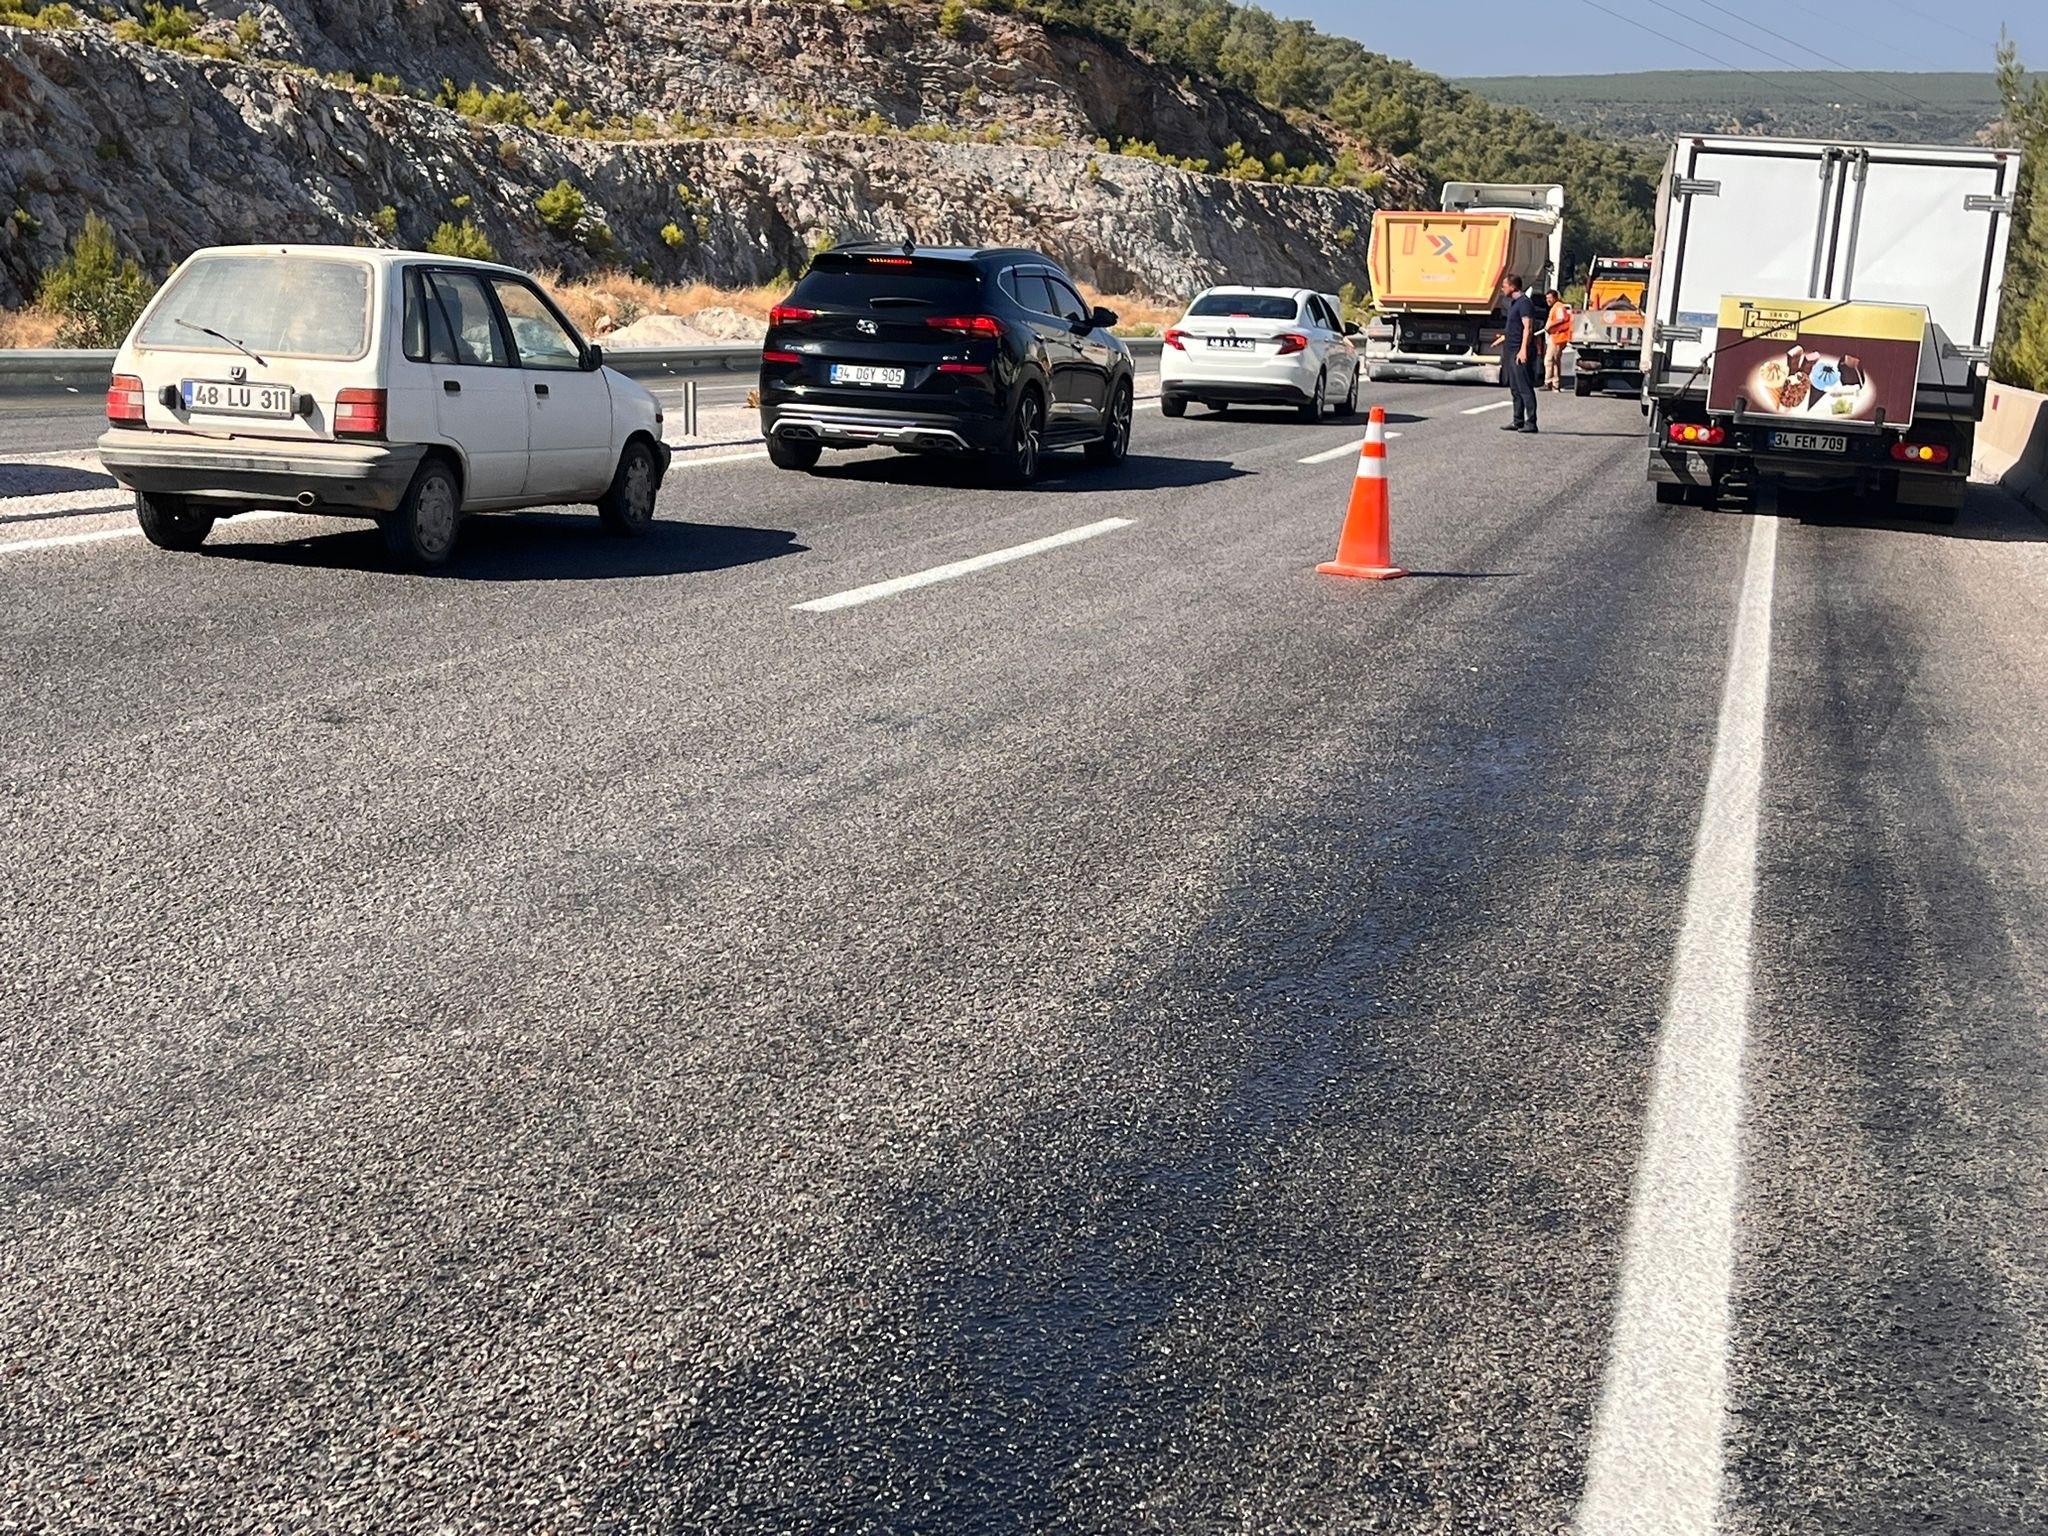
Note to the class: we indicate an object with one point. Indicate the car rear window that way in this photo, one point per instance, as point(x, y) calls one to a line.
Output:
point(940, 285)
point(290, 306)
point(1259, 306)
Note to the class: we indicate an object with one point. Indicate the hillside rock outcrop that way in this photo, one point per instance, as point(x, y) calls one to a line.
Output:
point(177, 152)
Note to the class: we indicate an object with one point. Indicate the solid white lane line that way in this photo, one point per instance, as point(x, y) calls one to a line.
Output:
point(882, 589)
point(1655, 1464)
point(1481, 410)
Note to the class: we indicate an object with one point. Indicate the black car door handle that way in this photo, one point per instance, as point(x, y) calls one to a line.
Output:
point(451, 386)
point(540, 389)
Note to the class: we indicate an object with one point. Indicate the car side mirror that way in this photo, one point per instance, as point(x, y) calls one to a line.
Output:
point(593, 357)
point(1351, 328)
point(1101, 319)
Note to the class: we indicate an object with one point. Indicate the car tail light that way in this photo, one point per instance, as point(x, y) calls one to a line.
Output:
point(967, 325)
point(782, 357)
point(889, 261)
point(790, 314)
point(359, 413)
point(1292, 342)
point(1699, 436)
point(1177, 339)
point(963, 368)
point(124, 400)
point(1920, 453)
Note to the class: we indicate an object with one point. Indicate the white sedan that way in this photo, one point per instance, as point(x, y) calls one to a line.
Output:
point(1261, 346)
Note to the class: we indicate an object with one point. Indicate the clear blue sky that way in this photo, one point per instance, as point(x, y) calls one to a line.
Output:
point(1472, 37)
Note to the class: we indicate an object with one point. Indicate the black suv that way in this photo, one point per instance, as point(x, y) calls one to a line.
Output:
point(936, 349)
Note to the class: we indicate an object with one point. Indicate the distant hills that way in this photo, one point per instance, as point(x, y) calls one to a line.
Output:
point(1891, 107)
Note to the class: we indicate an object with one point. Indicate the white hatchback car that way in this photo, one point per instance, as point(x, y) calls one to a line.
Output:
point(1260, 346)
point(389, 384)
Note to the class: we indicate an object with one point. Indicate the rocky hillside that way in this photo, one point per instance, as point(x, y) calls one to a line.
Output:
point(716, 140)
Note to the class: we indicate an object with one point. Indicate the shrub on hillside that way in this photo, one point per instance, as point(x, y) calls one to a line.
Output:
point(95, 292)
point(463, 239)
point(561, 208)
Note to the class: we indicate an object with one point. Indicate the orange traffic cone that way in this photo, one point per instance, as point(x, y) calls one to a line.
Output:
point(1365, 548)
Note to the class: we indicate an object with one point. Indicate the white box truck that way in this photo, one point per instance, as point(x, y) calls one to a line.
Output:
point(1436, 277)
point(1822, 313)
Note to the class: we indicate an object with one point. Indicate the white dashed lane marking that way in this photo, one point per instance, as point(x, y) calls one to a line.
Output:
point(938, 573)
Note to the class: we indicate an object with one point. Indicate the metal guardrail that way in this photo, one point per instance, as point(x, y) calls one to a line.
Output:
point(48, 374)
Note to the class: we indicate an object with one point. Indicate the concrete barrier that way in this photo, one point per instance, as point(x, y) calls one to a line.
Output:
point(2012, 444)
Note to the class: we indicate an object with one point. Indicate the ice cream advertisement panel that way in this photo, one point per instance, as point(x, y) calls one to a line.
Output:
point(1817, 361)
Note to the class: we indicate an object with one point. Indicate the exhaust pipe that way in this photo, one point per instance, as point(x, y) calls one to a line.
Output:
point(307, 499)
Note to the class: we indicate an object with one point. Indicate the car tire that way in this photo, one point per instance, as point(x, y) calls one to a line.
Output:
point(1318, 403)
point(1115, 444)
point(1582, 385)
point(1172, 405)
point(627, 508)
point(1217, 407)
point(423, 529)
point(1351, 395)
point(784, 454)
point(1017, 462)
point(169, 524)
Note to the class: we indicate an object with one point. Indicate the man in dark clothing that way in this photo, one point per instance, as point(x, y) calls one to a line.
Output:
point(1519, 355)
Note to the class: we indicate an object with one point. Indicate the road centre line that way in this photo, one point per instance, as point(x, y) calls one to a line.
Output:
point(881, 589)
point(1655, 1463)
point(1481, 410)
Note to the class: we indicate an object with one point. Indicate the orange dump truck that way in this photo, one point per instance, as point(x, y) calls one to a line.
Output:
point(1436, 277)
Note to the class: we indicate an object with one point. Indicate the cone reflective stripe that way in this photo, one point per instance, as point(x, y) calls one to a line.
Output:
point(1365, 548)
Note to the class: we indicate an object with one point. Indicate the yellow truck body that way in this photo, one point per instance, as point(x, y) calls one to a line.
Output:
point(1446, 263)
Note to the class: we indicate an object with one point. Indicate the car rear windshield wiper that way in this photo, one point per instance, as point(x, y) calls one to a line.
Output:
point(208, 330)
point(899, 301)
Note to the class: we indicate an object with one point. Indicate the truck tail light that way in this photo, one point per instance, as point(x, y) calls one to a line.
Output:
point(1697, 435)
point(1292, 342)
point(1177, 339)
point(967, 325)
point(124, 401)
point(1920, 453)
point(359, 413)
point(790, 314)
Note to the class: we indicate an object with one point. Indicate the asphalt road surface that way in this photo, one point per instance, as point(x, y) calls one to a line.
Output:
point(1135, 1037)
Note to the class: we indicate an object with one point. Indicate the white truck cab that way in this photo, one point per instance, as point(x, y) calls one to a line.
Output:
point(398, 385)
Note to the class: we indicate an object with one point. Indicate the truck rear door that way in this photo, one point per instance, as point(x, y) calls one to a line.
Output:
point(1928, 228)
point(1741, 220)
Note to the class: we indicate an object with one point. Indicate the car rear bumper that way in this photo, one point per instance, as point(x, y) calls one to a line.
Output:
point(1238, 391)
point(240, 473)
point(838, 426)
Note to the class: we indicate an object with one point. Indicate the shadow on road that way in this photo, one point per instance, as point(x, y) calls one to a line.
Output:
point(50, 480)
point(1059, 471)
point(538, 548)
point(1988, 514)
